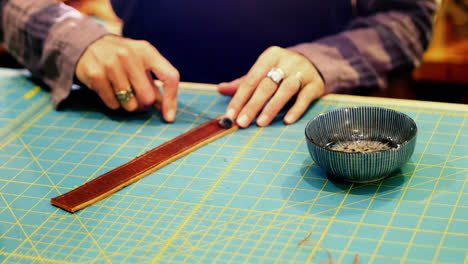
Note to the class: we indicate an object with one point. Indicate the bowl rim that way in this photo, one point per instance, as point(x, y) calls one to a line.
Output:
point(411, 120)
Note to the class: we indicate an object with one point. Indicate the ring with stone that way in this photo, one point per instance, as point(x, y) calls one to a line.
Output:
point(276, 75)
point(125, 96)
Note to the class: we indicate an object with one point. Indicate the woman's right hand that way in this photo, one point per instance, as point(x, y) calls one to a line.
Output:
point(115, 64)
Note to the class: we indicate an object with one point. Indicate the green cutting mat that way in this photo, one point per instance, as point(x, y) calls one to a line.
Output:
point(252, 196)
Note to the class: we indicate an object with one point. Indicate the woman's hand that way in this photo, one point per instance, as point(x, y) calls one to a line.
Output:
point(113, 65)
point(255, 91)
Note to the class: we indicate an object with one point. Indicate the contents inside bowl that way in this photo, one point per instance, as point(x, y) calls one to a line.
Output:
point(361, 146)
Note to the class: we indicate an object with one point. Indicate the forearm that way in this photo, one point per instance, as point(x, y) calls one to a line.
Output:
point(376, 43)
point(48, 38)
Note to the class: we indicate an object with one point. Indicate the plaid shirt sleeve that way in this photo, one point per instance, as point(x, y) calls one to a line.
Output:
point(385, 36)
point(48, 38)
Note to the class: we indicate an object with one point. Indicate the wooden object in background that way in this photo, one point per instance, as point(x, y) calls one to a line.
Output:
point(446, 59)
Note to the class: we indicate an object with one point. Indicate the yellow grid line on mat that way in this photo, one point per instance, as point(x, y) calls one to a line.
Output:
point(260, 240)
point(168, 243)
point(131, 220)
point(99, 169)
point(9, 208)
point(456, 204)
point(34, 159)
point(155, 192)
point(374, 254)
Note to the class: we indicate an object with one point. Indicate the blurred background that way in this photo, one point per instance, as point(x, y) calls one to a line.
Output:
point(443, 75)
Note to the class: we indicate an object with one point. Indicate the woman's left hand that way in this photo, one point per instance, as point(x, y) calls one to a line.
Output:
point(256, 91)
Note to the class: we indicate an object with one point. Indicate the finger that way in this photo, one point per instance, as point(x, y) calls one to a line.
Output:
point(158, 97)
point(120, 81)
point(96, 79)
point(288, 88)
point(165, 72)
point(138, 78)
point(265, 90)
point(229, 88)
point(259, 70)
point(310, 92)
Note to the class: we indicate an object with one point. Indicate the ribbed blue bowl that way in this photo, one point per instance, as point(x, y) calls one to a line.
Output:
point(361, 124)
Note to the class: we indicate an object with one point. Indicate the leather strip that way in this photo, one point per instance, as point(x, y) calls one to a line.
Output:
point(114, 180)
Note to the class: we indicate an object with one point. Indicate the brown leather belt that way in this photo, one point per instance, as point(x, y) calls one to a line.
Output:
point(114, 180)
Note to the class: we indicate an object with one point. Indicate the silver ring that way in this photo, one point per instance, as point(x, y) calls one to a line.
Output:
point(276, 75)
point(125, 96)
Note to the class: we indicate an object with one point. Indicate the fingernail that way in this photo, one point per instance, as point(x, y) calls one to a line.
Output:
point(288, 119)
point(170, 115)
point(230, 113)
point(243, 121)
point(262, 120)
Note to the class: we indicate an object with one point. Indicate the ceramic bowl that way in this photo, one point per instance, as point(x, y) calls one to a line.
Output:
point(361, 144)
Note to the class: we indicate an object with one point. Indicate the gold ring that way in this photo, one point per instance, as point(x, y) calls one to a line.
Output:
point(125, 96)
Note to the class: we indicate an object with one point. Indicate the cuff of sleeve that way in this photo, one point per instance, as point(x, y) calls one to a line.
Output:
point(68, 42)
point(337, 72)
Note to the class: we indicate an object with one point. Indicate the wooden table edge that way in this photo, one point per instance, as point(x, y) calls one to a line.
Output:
point(354, 98)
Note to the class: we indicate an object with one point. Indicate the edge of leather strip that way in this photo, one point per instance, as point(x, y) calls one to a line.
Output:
point(56, 200)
